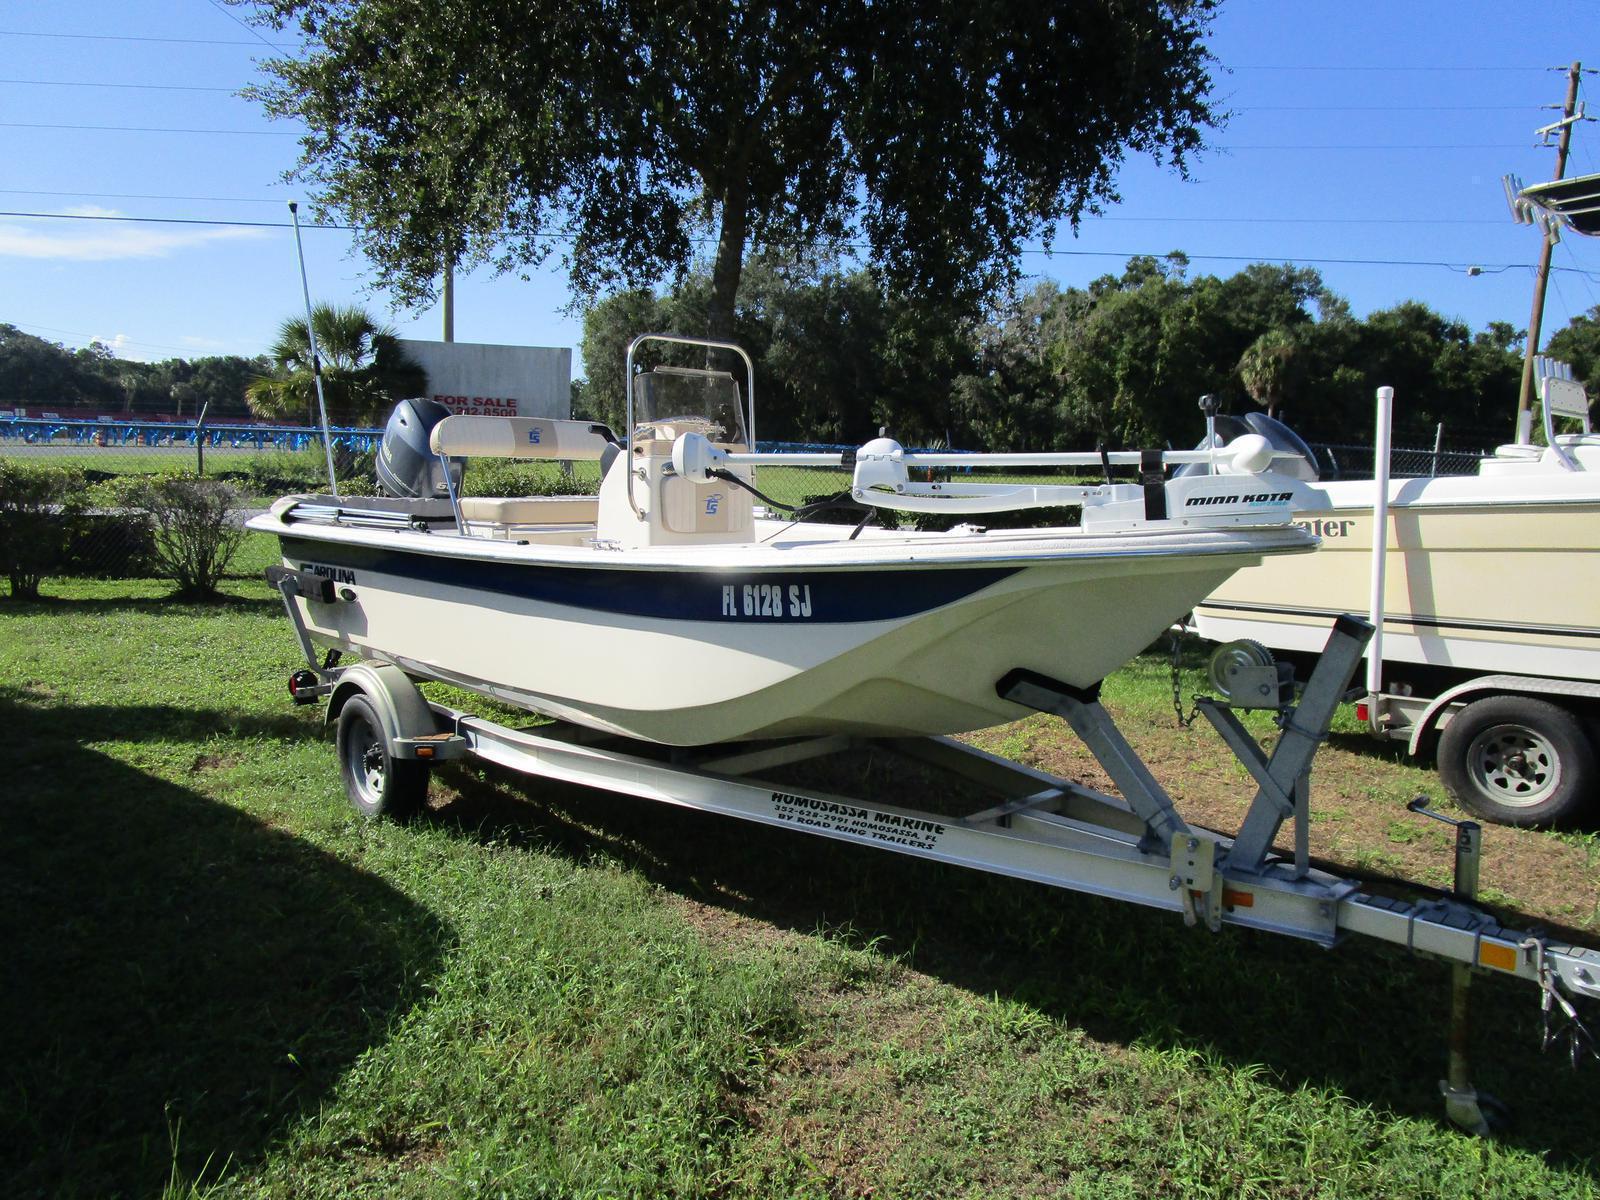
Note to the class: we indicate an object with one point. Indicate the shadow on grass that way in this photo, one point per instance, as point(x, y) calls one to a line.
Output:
point(164, 723)
point(175, 970)
point(1366, 1020)
point(1365, 745)
point(148, 605)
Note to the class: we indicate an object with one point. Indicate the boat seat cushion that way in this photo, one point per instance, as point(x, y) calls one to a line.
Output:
point(531, 510)
point(474, 436)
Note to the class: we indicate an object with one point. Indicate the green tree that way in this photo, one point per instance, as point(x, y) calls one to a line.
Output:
point(221, 384)
point(608, 327)
point(941, 136)
point(1269, 367)
point(1009, 400)
point(835, 357)
point(1579, 345)
point(32, 370)
point(1135, 352)
point(364, 370)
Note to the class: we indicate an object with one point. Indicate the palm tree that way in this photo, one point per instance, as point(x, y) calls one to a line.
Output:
point(1268, 368)
point(364, 370)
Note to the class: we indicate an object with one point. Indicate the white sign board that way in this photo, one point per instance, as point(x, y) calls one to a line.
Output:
point(499, 381)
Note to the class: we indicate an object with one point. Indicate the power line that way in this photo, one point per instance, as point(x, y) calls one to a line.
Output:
point(1383, 108)
point(150, 129)
point(1429, 146)
point(177, 87)
point(1157, 220)
point(1232, 147)
point(1288, 258)
point(123, 37)
point(1404, 69)
point(92, 337)
point(1050, 253)
point(1293, 220)
point(141, 196)
point(159, 87)
point(167, 220)
point(245, 25)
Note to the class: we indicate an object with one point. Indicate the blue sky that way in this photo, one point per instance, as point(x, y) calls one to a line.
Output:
point(1362, 130)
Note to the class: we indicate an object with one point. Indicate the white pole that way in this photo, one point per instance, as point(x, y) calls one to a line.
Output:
point(1380, 547)
point(316, 359)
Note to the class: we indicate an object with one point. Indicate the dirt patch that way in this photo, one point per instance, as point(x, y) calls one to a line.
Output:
point(723, 929)
point(214, 762)
point(844, 1103)
point(1359, 822)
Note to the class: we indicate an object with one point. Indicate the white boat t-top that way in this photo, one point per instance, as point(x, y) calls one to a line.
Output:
point(675, 606)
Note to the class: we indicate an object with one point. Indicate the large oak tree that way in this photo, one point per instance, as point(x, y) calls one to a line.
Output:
point(625, 135)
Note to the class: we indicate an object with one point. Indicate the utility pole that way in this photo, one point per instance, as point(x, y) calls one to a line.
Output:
point(1542, 275)
point(449, 299)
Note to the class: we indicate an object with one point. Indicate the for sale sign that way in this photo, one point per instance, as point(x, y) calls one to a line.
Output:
point(501, 381)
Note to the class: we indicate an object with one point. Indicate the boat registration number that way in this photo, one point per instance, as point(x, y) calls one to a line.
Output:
point(771, 600)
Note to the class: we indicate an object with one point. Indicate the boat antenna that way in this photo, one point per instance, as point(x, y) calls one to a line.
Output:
point(316, 359)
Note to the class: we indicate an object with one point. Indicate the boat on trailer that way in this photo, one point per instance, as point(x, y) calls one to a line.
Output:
point(1134, 846)
point(672, 608)
point(672, 581)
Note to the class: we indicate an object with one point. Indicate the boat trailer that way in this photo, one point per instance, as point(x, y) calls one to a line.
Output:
point(1043, 829)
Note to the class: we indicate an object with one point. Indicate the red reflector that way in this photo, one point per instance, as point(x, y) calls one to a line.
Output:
point(1363, 712)
point(424, 751)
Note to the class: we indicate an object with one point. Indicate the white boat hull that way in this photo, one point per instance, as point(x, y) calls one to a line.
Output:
point(1481, 574)
point(705, 645)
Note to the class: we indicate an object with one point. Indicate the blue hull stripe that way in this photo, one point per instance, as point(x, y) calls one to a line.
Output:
point(745, 597)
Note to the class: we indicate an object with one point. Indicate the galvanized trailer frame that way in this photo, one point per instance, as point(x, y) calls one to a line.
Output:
point(1044, 829)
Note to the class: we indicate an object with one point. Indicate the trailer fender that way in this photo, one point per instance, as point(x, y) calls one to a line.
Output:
point(394, 697)
point(1438, 713)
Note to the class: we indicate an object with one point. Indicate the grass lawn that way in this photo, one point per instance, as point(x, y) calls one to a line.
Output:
point(220, 981)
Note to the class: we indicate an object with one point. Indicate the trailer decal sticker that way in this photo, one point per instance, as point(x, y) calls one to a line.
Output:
point(867, 824)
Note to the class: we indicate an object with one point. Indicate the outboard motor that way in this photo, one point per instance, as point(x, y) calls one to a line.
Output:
point(406, 465)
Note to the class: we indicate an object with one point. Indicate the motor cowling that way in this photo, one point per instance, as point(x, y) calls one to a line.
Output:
point(406, 464)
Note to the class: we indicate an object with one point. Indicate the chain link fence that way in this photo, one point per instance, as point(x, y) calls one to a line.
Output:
point(1336, 461)
point(258, 462)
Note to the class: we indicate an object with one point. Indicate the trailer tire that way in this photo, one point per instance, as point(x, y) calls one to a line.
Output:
point(377, 783)
point(1518, 761)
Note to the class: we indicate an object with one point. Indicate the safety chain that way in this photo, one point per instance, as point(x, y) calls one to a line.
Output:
point(1176, 636)
point(1580, 1042)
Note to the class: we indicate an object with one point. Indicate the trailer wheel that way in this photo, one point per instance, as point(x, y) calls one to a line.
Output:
point(1517, 761)
point(378, 784)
